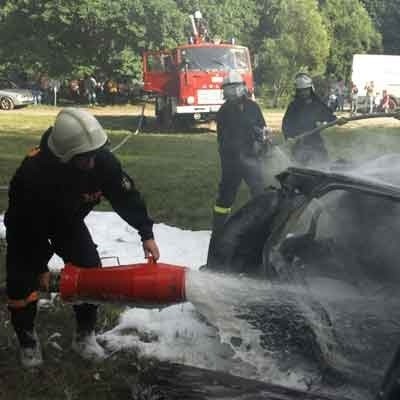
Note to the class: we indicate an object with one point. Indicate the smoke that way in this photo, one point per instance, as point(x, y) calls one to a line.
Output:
point(277, 160)
point(359, 142)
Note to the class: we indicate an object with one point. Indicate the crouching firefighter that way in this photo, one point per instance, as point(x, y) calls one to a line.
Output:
point(52, 191)
point(242, 141)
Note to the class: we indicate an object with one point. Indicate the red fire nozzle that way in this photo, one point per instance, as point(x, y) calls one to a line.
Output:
point(143, 285)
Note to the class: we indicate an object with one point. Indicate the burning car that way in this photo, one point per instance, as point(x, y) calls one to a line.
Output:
point(327, 239)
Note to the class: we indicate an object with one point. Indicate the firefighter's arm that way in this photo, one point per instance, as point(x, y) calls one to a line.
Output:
point(260, 117)
point(119, 189)
point(288, 123)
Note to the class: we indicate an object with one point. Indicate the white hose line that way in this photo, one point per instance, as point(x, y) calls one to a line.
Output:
point(139, 127)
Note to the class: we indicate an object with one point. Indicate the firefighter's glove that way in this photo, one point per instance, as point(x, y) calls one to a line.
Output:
point(44, 281)
point(270, 138)
point(151, 249)
point(259, 134)
point(342, 121)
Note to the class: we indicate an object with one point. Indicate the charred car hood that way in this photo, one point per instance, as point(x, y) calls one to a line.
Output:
point(380, 177)
point(332, 233)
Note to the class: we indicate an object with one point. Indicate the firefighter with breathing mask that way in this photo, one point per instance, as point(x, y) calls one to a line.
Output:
point(52, 191)
point(242, 137)
point(306, 112)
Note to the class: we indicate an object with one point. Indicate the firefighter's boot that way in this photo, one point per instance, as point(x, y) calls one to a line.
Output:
point(86, 345)
point(31, 353)
point(23, 314)
point(84, 342)
point(219, 219)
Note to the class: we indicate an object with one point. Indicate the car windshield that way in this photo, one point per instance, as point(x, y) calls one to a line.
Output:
point(216, 58)
point(6, 84)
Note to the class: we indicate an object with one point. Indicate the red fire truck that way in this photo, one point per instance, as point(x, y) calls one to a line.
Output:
point(186, 81)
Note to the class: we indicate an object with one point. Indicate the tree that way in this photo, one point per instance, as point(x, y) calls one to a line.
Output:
point(351, 30)
point(226, 18)
point(386, 16)
point(294, 39)
point(67, 37)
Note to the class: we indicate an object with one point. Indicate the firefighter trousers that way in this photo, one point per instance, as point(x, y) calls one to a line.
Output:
point(233, 171)
point(26, 260)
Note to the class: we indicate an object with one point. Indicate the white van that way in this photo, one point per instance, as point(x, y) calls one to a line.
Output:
point(383, 70)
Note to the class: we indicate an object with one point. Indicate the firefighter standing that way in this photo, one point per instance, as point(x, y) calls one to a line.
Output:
point(241, 131)
point(52, 191)
point(303, 114)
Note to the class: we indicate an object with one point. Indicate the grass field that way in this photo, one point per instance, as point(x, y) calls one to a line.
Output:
point(176, 171)
point(178, 174)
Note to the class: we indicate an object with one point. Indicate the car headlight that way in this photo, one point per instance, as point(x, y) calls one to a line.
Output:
point(190, 100)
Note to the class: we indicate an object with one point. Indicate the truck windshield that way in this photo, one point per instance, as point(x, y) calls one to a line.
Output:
point(215, 58)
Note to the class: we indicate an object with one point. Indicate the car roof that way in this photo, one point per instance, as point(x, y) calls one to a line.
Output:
point(379, 177)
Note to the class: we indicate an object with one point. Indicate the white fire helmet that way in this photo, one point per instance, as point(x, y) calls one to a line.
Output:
point(75, 132)
point(233, 86)
point(303, 81)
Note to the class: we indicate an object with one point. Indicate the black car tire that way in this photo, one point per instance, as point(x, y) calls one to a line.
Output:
point(6, 103)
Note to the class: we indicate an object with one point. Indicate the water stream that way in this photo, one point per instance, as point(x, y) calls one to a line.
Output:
point(325, 337)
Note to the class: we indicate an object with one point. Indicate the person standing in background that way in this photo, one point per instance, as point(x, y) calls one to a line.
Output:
point(354, 98)
point(370, 96)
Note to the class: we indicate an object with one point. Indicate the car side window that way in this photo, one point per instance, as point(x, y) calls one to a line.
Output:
point(304, 233)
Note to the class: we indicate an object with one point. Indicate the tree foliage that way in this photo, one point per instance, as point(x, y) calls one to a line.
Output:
point(299, 42)
point(73, 36)
point(351, 30)
point(68, 38)
point(386, 16)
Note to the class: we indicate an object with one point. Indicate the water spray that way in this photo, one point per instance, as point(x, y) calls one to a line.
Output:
point(285, 159)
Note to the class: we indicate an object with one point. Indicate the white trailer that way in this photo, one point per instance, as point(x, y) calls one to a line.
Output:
point(383, 70)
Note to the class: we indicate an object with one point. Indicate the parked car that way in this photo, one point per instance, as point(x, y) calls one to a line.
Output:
point(327, 240)
point(12, 96)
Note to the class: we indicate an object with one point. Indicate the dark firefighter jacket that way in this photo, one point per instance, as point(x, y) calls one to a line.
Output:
point(235, 128)
point(301, 116)
point(46, 195)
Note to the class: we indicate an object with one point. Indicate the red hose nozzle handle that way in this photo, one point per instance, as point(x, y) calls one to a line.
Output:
point(151, 261)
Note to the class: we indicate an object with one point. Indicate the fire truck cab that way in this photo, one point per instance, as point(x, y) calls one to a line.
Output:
point(187, 81)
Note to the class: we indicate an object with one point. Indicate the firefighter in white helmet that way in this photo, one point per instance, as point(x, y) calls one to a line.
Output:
point(304, 113)
point(52, 191)
point(242, 136)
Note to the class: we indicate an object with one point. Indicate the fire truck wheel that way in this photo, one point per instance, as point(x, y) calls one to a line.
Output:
point(165, 117)
point(184, 122)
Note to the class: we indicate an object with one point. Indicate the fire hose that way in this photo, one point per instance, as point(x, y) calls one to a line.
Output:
point(270, 144)
point(344, 120)
point(139, 127)
point(145, 285)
